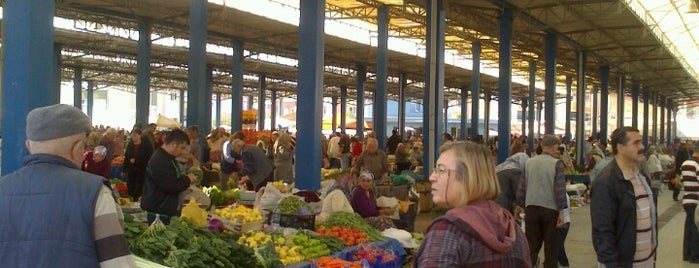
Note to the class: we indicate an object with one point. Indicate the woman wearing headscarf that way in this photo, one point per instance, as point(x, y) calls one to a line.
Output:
point(509, 174)
point(475, 231)
point(364, 203)
point(337, 197)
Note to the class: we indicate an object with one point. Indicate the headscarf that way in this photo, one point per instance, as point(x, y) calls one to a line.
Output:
point(515, 161)
point(343, 183)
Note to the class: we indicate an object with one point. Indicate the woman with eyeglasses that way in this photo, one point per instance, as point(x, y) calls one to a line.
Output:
point(475, 231)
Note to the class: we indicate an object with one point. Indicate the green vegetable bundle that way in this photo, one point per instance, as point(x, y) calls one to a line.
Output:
point(334, 244)
point(351, 219)
point(219, 197)
point(182, 244)
point(293, 205)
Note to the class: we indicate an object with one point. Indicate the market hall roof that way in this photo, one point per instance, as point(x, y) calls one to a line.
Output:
point(607, 30)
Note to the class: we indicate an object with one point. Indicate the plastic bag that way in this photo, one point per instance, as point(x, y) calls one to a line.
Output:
point(270, 198)
point(389, 202)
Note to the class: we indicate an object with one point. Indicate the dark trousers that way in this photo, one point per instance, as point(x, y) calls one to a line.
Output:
point(541, 228)
point(562, 256)
point(690, 250)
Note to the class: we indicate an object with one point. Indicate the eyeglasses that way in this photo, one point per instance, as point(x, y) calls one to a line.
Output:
point(441, 170)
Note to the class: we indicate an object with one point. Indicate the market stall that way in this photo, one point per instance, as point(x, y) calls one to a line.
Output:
point(228, 235)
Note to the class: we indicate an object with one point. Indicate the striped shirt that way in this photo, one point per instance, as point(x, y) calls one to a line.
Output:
point(690, 183)
point(110, 243)
point(644, 224)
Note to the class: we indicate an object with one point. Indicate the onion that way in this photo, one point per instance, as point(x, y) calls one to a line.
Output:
point(215, 225)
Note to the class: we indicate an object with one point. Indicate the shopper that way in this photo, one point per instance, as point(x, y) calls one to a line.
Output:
point(475, 231)
point(95, 162)
point(283, 159)
point(165, 180)
point(624, 218)
point(256, 168)
point(682, 155)
point(542, 195)
point(655, 169)
point(135, 162)
point(372, 160)
point(393, 142)
point(509, 174)
point(402, 158)
point(689, 202)
point(55, 215)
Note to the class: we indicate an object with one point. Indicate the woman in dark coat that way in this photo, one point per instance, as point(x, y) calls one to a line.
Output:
point(135, 161)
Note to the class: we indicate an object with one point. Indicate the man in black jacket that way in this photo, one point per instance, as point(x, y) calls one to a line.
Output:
point(624, 218)
point(164, 179)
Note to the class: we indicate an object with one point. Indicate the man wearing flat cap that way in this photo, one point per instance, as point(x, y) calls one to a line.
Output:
point(54, 214)
point(542, 194)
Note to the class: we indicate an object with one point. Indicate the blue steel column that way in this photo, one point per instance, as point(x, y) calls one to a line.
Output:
point(434, 83)
point(310, 93)
point(604, 103)
point(635, 92)
point(381, 77)
point(654, 132)
point(475, 88)
point(486, 116)
point(550, 82)
point(237, 86)
point(540, 108)
point(525, 104)
point(343, 108)
point(569, 100)
point(333, 101)
point(261, 94)
point(26, 73)
point(670, 106)
point(505, 84)
point(620, 97)
point(55, 96)
point(402, 86)
point(359, 122)
point(595, 91)
point(646, 107)
point(250, 102)
point(205, 121)
point(78, 88)
point(662, 119)
point(464, 113)
point(90, 96)
point(532, 109)
point(580, 108)
point(143, 72)
point(182, 111)
point(196, 80)
point(273, 109)
point(218, 110)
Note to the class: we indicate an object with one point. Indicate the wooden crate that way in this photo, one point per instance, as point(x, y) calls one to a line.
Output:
point(423, 187)
point(425, 202)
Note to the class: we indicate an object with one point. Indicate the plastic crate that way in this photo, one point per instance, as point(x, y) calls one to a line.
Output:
point(298, 221)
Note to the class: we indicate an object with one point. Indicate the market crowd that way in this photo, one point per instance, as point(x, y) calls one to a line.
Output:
point(498, 215)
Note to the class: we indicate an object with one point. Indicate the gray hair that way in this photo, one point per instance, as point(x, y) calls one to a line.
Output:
point(237, 143)
point(100, 150)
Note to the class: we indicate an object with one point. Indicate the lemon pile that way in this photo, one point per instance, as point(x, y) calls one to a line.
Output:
point(254, 239)
point(287, 251)
point(233, 214)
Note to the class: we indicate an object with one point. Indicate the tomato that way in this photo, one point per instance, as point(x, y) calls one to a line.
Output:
point(320, 229)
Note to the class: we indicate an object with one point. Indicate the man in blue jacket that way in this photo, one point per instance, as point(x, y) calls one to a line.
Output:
point(54, 214)
point(624, 218)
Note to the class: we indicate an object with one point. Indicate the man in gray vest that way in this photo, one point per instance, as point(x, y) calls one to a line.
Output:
point(257, 167)
point(54, 214)
point(542, 194)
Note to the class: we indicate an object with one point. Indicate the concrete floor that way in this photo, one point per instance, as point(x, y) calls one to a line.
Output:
point(578, 245)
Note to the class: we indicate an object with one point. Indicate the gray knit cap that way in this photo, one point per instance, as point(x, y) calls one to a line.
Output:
point(56, 121)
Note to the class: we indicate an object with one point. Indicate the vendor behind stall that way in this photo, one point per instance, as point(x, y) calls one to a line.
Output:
point(364, 203)
point(373, 160)
point(165, 180)
point(337, 197)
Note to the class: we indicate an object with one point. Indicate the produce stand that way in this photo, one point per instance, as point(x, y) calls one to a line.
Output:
point(348, 253)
